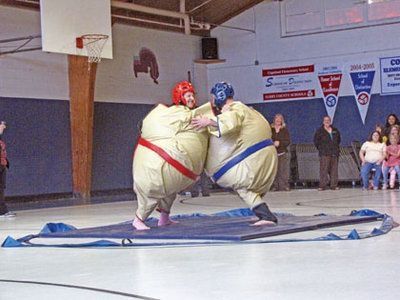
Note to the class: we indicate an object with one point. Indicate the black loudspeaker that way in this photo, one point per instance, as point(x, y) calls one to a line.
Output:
point(209, 48)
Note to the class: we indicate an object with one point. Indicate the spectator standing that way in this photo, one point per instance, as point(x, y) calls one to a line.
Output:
point(3, 170)
point(327, 141)
point(281, 139)
point(391, 120)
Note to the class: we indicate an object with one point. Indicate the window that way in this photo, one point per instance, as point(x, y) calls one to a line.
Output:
point(383, 10)
point(312, 16)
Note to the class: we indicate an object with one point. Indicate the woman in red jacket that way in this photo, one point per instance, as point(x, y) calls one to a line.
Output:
point(3, 170)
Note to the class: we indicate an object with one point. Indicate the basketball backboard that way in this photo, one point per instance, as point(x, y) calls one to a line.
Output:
point(62, 21)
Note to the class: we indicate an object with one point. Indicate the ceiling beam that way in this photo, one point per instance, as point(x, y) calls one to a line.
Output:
point(190, 17)
point(154, 11)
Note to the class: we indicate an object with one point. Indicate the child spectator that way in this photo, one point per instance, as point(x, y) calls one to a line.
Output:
point(392, 161)
point(380, 129)
point(394, 130)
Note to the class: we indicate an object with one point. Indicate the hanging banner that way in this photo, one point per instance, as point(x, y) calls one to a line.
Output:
point(289, 83)
point(390, 75)
point(330, 78)
point(362, 77)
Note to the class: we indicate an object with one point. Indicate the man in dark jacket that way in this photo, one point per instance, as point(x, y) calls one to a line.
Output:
point(327, 141)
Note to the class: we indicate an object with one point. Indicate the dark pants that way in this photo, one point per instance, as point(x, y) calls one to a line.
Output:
point(328, 171)
point(281, 182)
point(201, 185)
point(3, 207)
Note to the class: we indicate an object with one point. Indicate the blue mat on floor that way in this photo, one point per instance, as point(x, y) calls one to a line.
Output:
point(228, 226)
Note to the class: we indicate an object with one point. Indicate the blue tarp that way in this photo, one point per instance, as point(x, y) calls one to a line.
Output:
point(228, 227)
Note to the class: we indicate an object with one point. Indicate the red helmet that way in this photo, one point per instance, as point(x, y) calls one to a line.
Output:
point(180, 90)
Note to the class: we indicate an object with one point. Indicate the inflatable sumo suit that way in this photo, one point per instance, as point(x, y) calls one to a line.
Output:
point(241, 154)
point(170, 155)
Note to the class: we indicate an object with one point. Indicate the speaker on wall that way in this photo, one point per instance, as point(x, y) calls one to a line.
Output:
point(209, 48)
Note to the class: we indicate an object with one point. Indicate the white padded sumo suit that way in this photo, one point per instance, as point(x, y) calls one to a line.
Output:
point(240, 130)
point(157, 181)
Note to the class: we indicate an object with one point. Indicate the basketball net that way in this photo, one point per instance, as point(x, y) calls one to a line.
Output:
point(93, 44)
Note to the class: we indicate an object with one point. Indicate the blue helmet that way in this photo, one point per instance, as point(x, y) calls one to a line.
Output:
point(221, 92)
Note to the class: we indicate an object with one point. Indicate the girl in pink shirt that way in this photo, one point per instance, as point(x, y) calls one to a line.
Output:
point(392, 160)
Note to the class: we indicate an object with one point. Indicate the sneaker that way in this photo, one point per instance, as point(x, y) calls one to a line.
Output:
point(375, 188)
point(384, 187)
point(9, 214)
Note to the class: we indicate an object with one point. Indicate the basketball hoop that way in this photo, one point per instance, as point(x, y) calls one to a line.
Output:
point(93, 43)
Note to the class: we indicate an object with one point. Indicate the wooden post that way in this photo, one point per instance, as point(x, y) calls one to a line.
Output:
point(82, 77)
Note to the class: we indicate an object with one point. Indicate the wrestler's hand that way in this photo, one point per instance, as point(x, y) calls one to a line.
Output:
point(201, 122)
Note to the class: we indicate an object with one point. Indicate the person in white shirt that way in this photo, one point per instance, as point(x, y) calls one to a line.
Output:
point(372, 154)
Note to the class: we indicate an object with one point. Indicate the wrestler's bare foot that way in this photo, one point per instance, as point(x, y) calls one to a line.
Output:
point(165, 220)
point(264, 223)
point(139, 224)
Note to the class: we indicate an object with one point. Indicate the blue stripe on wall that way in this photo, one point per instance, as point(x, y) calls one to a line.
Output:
point(115, 135)
point(39, 147)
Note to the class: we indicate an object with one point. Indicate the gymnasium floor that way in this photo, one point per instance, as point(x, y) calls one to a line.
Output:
point(363, 269)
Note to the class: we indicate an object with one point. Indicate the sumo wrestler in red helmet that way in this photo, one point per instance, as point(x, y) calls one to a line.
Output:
point(169, 156)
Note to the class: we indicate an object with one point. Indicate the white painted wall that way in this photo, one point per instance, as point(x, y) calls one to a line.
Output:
point(241, 49)
point(45, 75)
point(33, 74)
point(175, 54)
